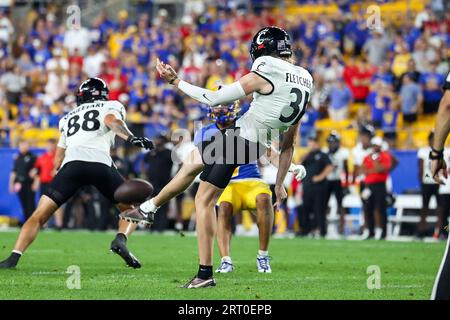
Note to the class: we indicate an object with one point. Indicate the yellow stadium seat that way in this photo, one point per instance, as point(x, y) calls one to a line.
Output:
point(48, 134)
point(402, 138)
point(355, 108)
point(31, 134)
point(328, 124)
point(299, 152)
point(296, 10)
point(379, 133)
point(424, 124)
point(420, 138)
point(349, 138)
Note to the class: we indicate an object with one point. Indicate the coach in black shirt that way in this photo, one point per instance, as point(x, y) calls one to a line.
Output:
point(158, 170)
point(20, 180)
point(312, 214)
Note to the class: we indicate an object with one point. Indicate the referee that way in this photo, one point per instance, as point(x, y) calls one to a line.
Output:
point(441, 289)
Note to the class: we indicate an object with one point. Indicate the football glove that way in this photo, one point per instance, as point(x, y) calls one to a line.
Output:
point(298, 170)
point(141, 142)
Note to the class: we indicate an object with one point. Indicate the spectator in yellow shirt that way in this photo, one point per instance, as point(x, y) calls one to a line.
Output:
point(401, 59)
point(219, 75)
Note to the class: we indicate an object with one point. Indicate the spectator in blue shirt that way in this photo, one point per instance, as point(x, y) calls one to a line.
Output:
point(138, 94)
point(380, 101)
point(410, 98)
point(384, 74)
point(340, 98)
point(307, 125)
point(432, 83)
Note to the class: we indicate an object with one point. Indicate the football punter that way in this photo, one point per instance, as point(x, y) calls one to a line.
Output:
point(83, 158)
point(246, 191)
point(281, 91)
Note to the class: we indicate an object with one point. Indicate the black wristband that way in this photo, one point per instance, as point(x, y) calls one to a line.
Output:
point(436, 155)
point(129, 139)
point(437, 151)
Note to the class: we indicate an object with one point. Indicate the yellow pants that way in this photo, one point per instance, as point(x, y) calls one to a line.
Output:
point(242, 194)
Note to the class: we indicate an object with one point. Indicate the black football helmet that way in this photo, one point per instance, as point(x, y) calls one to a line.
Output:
point(334, 141)
point(92, 89)
point(334, 137)
point(271, 41)
point(367, 130)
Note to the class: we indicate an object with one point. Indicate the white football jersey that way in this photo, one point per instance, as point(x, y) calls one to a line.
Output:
point(273, 113)
point(337, 159)
point(358, 155)
point(423, 154)
point(84, 134)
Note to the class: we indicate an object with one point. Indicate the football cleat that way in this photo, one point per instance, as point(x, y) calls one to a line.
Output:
point(8, 264)
point(263, 264)
point(136, 215)
point(119, 247)
point(200, 283)
point(225, 267)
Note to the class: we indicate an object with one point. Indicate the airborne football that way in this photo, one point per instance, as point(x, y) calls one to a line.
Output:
point(228, 150)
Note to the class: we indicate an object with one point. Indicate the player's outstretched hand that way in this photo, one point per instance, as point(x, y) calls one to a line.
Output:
point(141, 142)
point(281, 194)
point(165, 71)
point(439, 169)
point(299, 171)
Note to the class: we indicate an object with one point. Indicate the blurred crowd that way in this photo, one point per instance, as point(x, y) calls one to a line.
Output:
point(396, 68)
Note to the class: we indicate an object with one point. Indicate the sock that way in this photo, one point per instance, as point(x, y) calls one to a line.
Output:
point(13, 259)
point(378, 232)
point(204, 272)
point(262, 253)
point(227, 259)
point(148, 206)
point(122, 237)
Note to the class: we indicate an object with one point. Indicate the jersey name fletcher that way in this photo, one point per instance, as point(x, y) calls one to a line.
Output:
point(293, 78)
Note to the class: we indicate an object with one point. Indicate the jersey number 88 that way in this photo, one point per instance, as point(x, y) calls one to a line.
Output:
point(90, 123)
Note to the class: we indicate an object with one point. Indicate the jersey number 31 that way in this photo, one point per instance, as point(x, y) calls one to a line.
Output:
point(90, 123)
point(297, 113)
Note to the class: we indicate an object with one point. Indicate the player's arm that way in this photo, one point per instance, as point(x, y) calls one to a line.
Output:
point(119, 127)
point(421, 167)
point(441, 131)
point(228, 93)
point(394, 162)
point(12, 178)
point(34, 174)
point(286, 154)
point(323, 175)
point(59, 157)
point(442, 122)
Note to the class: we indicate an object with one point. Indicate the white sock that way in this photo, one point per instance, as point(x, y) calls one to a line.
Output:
point(148, 206)
point(18, 252)
point(262, 253)
point(226, 259)
point(378, 233)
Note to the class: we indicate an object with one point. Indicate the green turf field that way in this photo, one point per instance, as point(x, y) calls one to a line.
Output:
point(302, 269)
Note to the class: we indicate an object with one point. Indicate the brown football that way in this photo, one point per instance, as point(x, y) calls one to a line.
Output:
point(133, 191)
